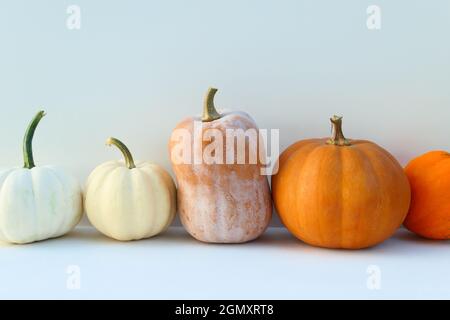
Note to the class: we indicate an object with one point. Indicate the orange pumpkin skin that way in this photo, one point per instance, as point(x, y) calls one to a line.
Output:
point(429, 214)
point(348, 197)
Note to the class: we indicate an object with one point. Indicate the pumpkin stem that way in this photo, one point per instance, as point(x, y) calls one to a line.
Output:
point(125, 151)
point(28, 141)
point(337, 137)
point(209, 110)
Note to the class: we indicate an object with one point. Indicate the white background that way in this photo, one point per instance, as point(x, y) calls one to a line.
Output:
point(87, 265)
point(136, 68)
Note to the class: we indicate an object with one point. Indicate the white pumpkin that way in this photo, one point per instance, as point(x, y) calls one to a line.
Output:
point(37, 203)
point(128, 201)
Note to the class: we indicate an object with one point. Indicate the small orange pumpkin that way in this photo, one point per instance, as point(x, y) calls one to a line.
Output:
point(429, 214)
point(339, 193)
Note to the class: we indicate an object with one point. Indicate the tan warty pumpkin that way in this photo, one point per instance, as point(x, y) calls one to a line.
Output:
point(340, 193)
point(222, 195)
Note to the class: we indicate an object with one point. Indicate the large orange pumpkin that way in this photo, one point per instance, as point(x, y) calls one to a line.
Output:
point(429, 214)
point(224, 199)
point(340, 193)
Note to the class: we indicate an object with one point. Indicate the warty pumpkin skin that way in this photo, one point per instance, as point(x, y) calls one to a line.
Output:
point(221, 203)
point(127, 201)
point(339, 193)
point(37, 203)
point(429, 214)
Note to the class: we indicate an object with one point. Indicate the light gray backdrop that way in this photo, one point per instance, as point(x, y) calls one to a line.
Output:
point(136, 68)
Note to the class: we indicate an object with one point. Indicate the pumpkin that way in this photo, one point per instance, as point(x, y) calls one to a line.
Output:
point(225, 199)
point(340, 193)
point(37, 203)
point(429, 214)
point(126, 201)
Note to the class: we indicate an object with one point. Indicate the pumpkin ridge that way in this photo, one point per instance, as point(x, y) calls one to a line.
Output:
point(3, 176)
point(296, 152)
point(125, 179)
point(386, 153)
point(290, 193)
point(9, 181)
point(102, 192)
point(51, 172)
point(290, 151)
point(171, 193)
point(367, 159)
point(120, 178)
point(331, 153)
point(395, 167)
point(137, 179)
point(342, 235)
point(285, 159)
point(338, 208)
point(307, 163)
point(31, 181)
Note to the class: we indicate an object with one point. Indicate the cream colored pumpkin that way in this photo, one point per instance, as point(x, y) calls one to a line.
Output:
point(37, 203)
point(128, 201)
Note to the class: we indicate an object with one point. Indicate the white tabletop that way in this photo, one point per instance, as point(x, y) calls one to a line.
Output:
point(85, 264)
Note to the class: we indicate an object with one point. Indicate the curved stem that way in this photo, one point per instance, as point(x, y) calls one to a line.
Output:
point(337, 138)
point(125, 151)
point(28, 141)
point(209, 110)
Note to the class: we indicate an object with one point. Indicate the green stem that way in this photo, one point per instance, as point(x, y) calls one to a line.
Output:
point(209, 110)
point(337, 138)
point(125, 151)
point(28, 141)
